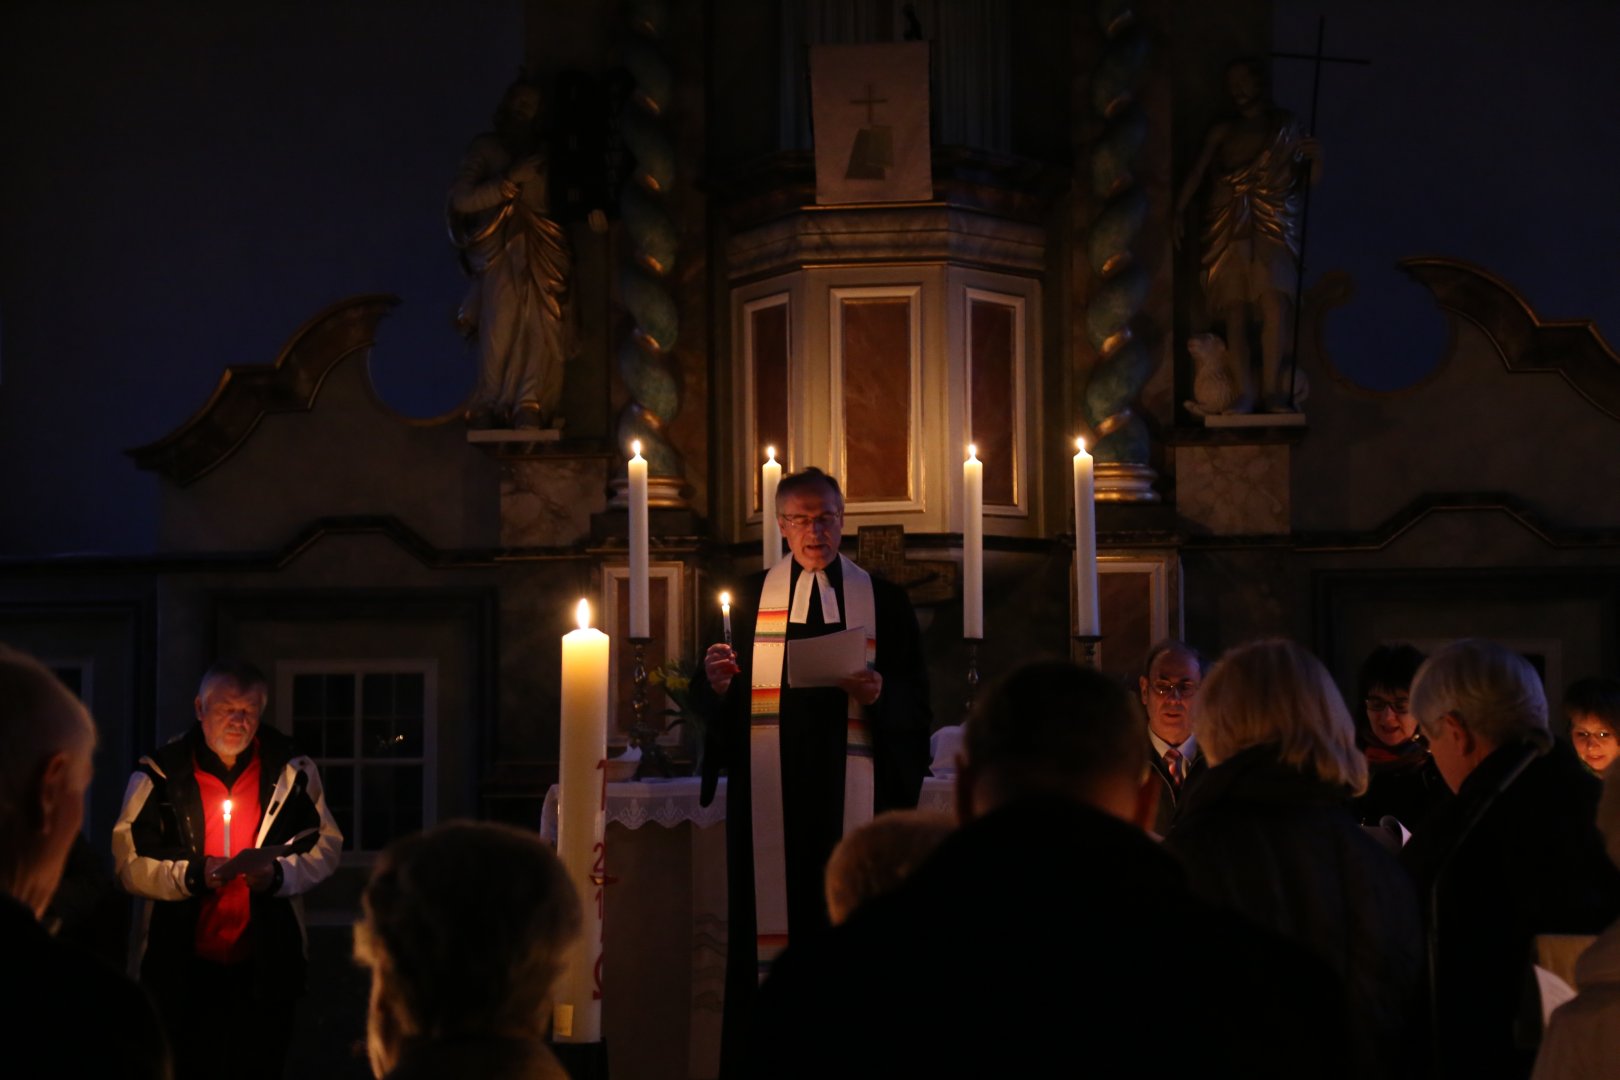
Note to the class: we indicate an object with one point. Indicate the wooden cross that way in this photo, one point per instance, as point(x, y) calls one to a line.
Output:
point(1317, 59)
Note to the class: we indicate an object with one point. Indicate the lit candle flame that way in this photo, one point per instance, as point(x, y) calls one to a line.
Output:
point(583, 613)
point(227, 809)
point(770, 452)
point(725, 601)
point(635, 447)
point(973, 452)
point(1080, 444)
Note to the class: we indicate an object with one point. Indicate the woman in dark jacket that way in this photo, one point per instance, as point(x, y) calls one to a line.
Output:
point(1402, 781)
point(1268, 833)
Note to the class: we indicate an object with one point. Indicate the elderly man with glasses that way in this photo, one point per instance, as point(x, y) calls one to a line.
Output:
point(805, 763)
point(1168, 683)
point(1516, 853)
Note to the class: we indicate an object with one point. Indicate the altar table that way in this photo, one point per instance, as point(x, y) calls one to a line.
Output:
point(664, 925)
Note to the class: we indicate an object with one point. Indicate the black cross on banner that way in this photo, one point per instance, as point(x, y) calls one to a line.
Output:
point(869, 100)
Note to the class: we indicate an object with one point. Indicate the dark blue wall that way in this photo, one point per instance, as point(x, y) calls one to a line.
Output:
point(1483, 131)
point(184, 185)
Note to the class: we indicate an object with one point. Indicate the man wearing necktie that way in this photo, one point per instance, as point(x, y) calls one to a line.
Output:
point(1168, 683)
point(805, 764)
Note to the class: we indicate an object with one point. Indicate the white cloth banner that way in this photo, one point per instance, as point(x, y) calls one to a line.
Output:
point(869, 112)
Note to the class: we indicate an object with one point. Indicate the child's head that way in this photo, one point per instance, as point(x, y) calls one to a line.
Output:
point(1593, 708)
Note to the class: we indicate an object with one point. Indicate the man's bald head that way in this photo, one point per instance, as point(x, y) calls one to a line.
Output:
point(48, 738)
point(1052, 728)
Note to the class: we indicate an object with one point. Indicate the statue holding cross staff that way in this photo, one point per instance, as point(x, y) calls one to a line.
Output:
point(1258, 165)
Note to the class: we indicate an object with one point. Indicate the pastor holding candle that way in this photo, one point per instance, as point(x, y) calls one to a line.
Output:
point(804, 764)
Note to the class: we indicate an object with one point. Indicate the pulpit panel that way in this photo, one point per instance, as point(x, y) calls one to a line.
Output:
point(877, 365)
point(994, 392)
point(767, 349)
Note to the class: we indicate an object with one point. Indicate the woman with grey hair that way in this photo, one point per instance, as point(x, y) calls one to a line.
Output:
point(1268, 833)
point(1515, 854)
point(464, 930)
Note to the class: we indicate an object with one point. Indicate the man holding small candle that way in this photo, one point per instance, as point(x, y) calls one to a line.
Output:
point(221, 948)
point(805, 764)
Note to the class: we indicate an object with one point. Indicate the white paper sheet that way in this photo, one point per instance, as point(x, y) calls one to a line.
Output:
point(823, 661)
point(1554, 992)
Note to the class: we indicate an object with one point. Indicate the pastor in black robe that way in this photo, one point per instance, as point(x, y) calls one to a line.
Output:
point(813, 741)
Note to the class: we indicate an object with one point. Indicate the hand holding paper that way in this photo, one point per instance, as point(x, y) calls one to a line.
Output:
point(829, 660)
point(258, 860)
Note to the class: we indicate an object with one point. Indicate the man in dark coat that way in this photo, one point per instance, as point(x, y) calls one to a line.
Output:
point(1171, 674)
point(1041, 938)
point(815, 725)
point(66, 1013)
point(1517, 853)
point(225, 944)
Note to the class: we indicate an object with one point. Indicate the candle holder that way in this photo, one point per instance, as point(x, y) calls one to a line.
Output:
point(643, 734)
point(1084, 651)
point(972, 675)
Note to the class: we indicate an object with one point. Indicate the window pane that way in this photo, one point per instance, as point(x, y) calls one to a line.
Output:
point(410, 695)
point(306, 695)
point(407, 799)
point(307, 734)
point(340, 736)
point(377, 695)
point(376, 808)
point(377, 738)
point(339, 783)
point(408, 736)
point(340, 695)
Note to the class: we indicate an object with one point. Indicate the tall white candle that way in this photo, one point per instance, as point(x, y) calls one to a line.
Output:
point(581, 824)
point(769, 530)
point(725, 614)
point(638, 543)
point(1085, 545)
point(226, 810)
point(972, 545)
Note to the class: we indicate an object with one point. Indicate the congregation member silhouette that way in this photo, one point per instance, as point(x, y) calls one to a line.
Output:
point(1515, 854)
point(1268, 833)
point(1592, 707)
point(66, 1013)
point(1043, 935)
point(464, 929)
point(1402, 781)
point(1583, 1037)
point(878, 856)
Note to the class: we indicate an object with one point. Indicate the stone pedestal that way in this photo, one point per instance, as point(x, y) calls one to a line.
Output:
point(1234, 488)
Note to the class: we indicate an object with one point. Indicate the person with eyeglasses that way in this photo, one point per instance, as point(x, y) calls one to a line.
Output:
point(1402, 780)
point(1592, 707)
point(1170, 677)
point(805, 764)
